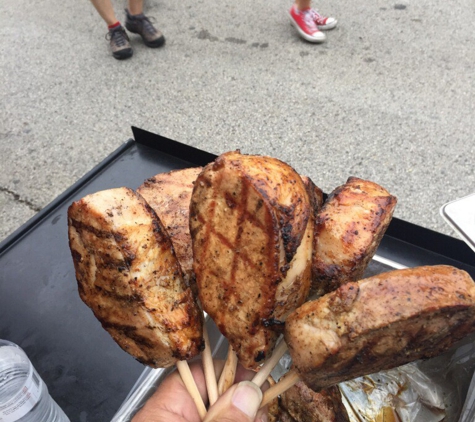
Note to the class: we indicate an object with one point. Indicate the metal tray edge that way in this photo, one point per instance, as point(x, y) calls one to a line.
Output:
point(37, 218)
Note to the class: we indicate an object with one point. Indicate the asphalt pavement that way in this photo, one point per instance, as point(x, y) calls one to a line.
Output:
point(390, 96)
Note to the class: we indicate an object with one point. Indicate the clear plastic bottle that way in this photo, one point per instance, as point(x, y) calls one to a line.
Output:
point(24, 396)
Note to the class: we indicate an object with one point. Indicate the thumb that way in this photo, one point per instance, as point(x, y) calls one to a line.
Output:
point(239, 404)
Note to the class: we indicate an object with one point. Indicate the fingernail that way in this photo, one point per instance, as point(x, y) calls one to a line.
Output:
point(247, 398)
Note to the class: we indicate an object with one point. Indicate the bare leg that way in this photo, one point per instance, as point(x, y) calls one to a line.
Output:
point(135, 7)
point(106, 11)
point(302, 4)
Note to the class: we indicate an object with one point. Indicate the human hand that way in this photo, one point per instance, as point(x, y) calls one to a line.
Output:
point(172, 402)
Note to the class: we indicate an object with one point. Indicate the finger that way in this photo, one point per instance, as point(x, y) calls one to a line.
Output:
point(243, 374)
point(171, 400)
point(239, 404)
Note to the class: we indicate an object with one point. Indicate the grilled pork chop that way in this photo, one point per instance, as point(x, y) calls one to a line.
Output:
point(348, 230)
point(305, 405)
point(379, 323)
point(283, 416)
point(128, 274)
point(169, 195)
point(251, 229)
point(301, 404)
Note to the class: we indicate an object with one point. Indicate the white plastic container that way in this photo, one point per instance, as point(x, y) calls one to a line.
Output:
point(460, 215)
point(24, 396)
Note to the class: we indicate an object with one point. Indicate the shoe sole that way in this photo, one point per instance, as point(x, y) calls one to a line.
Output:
point(123, 54)
point(328, 26)
point(155, 44)
point(152, 44)
point(304, 35)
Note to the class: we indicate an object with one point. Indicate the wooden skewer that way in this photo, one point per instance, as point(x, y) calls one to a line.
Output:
point(208, 367)
point(226, 379)
point(276, 390)
point(187, 377)
point(261, 377)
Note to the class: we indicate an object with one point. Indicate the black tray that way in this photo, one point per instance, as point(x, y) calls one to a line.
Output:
point(86, 372)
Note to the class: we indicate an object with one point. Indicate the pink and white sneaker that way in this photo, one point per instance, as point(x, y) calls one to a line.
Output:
point(309, 24)
point(323, 23)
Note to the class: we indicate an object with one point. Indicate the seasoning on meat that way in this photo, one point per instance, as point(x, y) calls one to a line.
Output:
point(251, 229)
point(348, 230)
point(306, 405)
point(128, 274)
point(169, 195)
point(380, 322)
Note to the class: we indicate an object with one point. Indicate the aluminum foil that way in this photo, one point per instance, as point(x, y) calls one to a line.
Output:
point(403, 394)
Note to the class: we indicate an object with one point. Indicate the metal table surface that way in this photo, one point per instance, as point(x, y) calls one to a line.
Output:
point(86, 372)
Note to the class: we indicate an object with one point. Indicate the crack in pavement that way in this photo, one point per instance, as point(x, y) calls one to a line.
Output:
point(19, 199)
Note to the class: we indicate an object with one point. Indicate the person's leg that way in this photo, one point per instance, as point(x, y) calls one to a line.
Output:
point(106, 11)
point(136, 7)
point(119, 41)
point(303, 4)
point(138, 23)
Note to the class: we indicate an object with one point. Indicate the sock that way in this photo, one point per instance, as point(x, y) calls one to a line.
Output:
point(115, 25)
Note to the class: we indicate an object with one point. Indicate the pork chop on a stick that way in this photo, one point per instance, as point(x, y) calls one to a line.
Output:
point(348, 230)
point(315, 196)
point(129, 276)
point(378, 323)
point(251, 229)
point(169, 195)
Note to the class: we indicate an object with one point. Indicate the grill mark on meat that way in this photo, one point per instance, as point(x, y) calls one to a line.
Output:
point(244, 215)
point(107, 261)
point(241, 207)
point(208, 228)
point(240, 256)
point(113, 264)
point(125, 299)
point(128, 331)
point(223, 239)
point(80, 226)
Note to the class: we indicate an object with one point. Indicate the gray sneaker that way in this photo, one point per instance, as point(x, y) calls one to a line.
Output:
point(140, 24)
point(119, 43)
